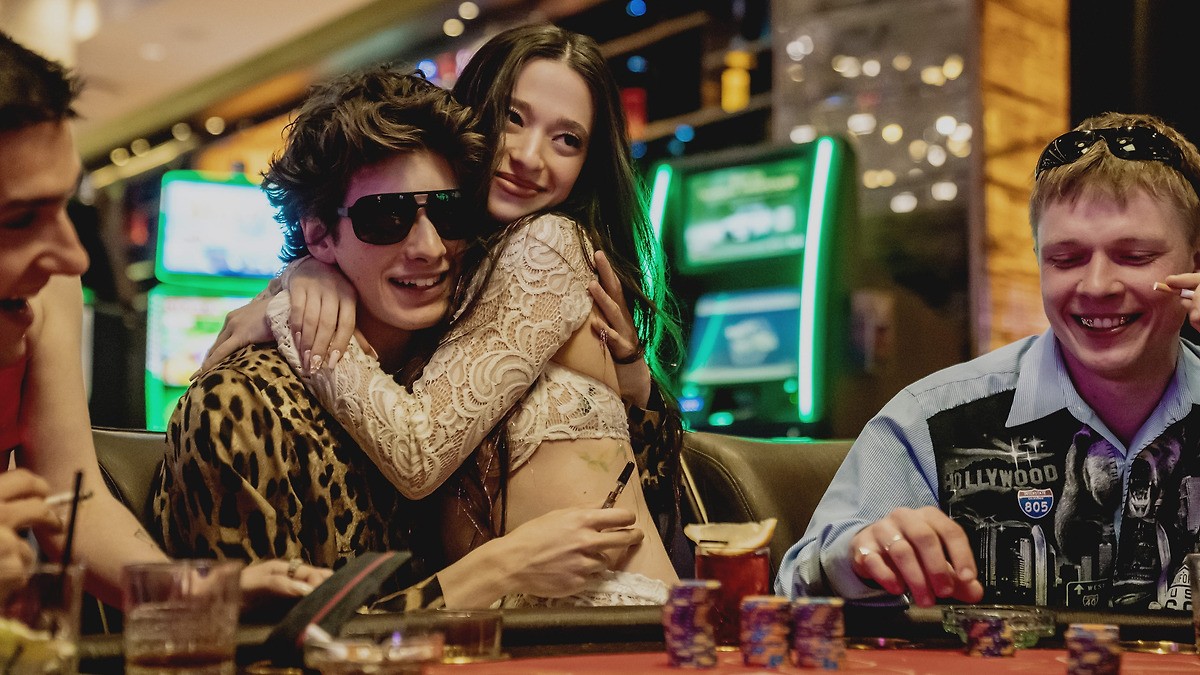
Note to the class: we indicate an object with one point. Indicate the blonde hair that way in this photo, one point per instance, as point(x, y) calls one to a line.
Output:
point(1099, 173)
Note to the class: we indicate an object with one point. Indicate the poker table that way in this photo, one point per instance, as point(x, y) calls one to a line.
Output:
point(630, 640)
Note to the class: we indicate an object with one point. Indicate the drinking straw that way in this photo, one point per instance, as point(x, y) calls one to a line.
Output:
point(66, 555)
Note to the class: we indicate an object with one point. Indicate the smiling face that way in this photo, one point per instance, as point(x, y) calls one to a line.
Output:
point(545, 141)
point(1098, 263)
point(405, 285)
point(38, 172)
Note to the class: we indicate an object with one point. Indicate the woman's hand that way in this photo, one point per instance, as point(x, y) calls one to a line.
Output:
point(271, 579)
point(16, 561)
point(22, 505)
point(23, 502)
point(245, 325)
point(323, 312)
point(616, 328)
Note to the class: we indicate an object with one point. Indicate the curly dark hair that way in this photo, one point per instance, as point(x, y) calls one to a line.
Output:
point(33, 89)
point(354, 121)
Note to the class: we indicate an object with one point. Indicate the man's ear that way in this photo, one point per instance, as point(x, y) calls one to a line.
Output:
point(1196, 257)
point(320, 243)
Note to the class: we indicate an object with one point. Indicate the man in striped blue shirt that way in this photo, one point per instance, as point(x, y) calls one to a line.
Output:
point(1062, 469)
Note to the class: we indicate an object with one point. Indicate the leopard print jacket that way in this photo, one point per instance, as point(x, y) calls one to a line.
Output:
point(258, 470)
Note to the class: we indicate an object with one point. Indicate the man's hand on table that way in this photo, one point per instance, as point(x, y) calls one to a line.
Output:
point(918, 551)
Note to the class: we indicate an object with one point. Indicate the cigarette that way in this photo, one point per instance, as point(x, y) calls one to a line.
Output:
point(1183, 292)
point(621, 481)
point(61, 498)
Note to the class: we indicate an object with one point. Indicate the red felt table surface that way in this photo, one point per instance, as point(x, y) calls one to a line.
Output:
point(907, 661)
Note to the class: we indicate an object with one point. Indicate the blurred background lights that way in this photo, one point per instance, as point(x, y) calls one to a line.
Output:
point(676, 147)
point(795, 72)
point(214, 125)
point(803, 133)
point(946, 125)
point(428, 68)
point(958, 148)
point(181, 131)
point(848, 66)
point(962, 132)
point(876, 179)
point(85, 22)
point(636, 7)
point(902, 62)
point(936, 155)
point(799, 48)
point(917, 150)
point(468, 11)
point(892, 133)
point(861, 123)
point(932, 75)
point(140, 146)
point(871, 67)
point(952, 67)
point(636, 64)
point(905, 202)
point(944, 191)
point(119, 156)
point(637, 149)
point(685, 133)
point(453, 27)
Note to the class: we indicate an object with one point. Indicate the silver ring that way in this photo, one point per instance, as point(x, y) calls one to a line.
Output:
point(293, 566)
point(893, 541)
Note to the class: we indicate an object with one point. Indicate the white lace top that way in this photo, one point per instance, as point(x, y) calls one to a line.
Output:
point(535, 299)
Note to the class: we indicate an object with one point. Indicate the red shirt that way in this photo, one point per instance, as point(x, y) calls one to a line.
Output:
point(11, 377)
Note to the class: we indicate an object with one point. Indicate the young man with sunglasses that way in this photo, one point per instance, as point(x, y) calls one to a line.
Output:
point(369, 180)
point(1061, 469)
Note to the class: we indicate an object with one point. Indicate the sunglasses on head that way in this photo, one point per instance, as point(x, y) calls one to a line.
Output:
point(388, 218)
point(1128, 143)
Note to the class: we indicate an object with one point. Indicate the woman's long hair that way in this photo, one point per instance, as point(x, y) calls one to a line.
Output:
point(607, 203)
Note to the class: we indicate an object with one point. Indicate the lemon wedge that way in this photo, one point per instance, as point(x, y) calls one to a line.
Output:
point(732, 535)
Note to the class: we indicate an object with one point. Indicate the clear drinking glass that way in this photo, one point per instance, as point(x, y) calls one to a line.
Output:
point(181, 617)
point(741, 572)
point(39, 622)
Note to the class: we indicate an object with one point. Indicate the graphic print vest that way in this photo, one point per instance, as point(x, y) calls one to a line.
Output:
point(1039, 502)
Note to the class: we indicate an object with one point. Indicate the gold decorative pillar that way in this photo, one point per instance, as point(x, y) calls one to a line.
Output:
point(1025, 101)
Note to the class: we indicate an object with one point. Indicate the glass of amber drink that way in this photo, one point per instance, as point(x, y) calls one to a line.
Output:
point(181, 617)
point(742, 572)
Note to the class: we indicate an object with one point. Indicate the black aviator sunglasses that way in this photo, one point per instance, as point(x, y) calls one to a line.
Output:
point(1128, 143)
point(387, 218)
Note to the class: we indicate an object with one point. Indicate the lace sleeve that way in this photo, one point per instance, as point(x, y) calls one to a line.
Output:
point(535, 298)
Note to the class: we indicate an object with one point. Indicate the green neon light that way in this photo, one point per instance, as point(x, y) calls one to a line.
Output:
point(658, 199)
point(811, 355)
point(720, 419)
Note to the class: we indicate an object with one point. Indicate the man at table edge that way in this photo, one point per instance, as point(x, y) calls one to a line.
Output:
point(1060, 469)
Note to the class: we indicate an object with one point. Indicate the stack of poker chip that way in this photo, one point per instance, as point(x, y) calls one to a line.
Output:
point(1093, 649)
point(989, 636)
point(765, 625)
point(688, 624)
point(818, 633)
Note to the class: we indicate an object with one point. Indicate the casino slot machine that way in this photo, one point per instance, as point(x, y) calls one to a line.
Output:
point(753, 241)
point(218, 245)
